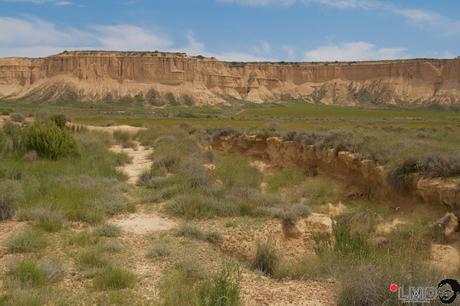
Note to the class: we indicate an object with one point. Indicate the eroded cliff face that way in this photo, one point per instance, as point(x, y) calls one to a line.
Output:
point(363, 178)
point(95, 75)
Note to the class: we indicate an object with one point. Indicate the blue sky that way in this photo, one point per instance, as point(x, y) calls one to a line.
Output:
point(290, 30)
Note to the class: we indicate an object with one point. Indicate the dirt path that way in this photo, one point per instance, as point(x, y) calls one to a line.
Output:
point(256, 289)
point(140, 161)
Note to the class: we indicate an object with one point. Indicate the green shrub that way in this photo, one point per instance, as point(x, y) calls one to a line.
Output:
point(92, 259)
point(190, 231)
point(123, 138)
point(200, 206)
point(223, 289)
point(60, 120)
point(50, 142)
point(26, 274)
point(53, 270)
point(170, 99)
point(401, 176)
point(153, 98)
point(17, 117)
point(84, 238)
point(235, 171)
point(114, 279)
point(10, 196)
point(267, 258)
point(27, 241)
point(214, 237)
point(47, 219)
point(107, 230)
point(158, 250)
point(183, 286)
point(111, 247)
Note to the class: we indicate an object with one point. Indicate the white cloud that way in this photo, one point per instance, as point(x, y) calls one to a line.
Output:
point(128, 37)
point(31, 36)
point(193, 46)
point(34, 37)
point(353, 51)
point(416, 16)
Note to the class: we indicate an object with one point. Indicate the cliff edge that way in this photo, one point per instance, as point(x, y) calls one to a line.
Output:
point(159, 77)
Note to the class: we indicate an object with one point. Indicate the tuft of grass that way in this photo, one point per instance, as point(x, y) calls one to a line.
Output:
point(190, 231)
point(267, 258)
point(82, 239)
point(159, 250)
point(235, 171)
point(47, 219)
point(223, 288)
point(27, 274)
point(111, 247)
point(10, 195)
point(182, 287)
point(214, 237)
point(29, 240)
point(92, 259)
point(114, 278)
point(123, 138)
point(107, 230)
point(284, 178)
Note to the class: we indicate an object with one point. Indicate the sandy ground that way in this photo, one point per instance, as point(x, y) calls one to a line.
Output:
point(140, 161)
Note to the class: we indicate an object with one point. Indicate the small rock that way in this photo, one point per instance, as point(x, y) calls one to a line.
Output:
point(448, 224)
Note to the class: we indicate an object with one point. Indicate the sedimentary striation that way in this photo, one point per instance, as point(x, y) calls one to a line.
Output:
point(176, 77)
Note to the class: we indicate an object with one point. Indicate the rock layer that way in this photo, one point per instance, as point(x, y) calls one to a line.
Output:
point(98, 75)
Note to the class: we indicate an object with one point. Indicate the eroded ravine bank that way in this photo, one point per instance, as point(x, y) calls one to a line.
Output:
point(363, 177)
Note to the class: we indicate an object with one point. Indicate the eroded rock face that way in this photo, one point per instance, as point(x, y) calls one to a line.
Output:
point(96, 75)
point(364, 177)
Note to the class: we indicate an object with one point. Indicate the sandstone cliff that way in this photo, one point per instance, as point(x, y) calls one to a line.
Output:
point(152, 76)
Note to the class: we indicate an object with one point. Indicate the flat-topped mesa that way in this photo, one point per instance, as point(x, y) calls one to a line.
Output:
point(96, 75)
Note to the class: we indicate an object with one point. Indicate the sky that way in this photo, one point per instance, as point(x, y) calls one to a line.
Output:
point(235, 30)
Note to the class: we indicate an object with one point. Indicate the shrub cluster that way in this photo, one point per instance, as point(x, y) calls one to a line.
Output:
point(49, 141)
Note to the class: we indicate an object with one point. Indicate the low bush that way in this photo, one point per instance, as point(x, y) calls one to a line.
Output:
point(60, 120)
point(53, 270)
point(401, 176)
point(223, 288)
point(27, 241)
point(190, 231)
point(92, 259)
point(182, 287)
point(10, 195)
point(214, 237)
point(235, 171)
point(107, 230)
point(111, 247)
point(17, 117)
point(123, 138)
point(267, 258)
point(158, 250)
point(27, 274)
point(114, 278)
point(49, 141)
point(47, 219)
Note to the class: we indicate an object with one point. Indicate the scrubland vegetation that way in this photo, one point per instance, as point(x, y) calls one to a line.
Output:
point(61, 186)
